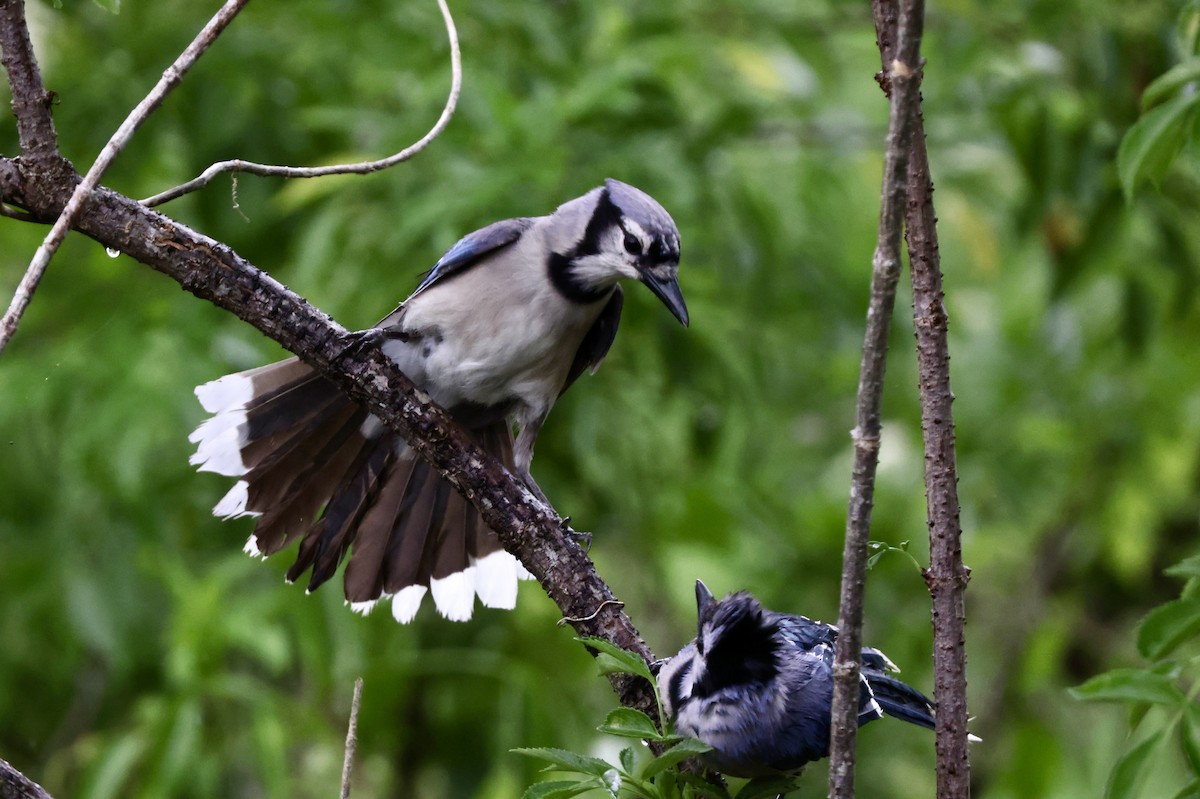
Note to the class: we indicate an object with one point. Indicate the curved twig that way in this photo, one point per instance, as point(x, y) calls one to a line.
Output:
point(361, 168)
point(169, 80)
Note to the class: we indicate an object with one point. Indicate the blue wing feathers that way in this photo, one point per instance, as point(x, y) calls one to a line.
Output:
point(473, 247)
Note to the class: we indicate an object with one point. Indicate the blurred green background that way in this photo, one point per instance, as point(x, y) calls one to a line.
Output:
point(143, 655)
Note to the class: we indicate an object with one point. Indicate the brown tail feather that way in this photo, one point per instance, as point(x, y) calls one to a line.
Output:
point(303, 448)
point(299, 494)
point(327, 542)
point(364, 571)
point(295, 462)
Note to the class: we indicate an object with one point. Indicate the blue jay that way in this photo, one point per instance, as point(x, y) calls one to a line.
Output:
point(501, 326)
point(757, 686)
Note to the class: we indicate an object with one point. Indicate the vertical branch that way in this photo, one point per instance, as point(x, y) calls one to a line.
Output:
point(351, 738)
point(904, 76)
point(946, 576)
point(30, 100)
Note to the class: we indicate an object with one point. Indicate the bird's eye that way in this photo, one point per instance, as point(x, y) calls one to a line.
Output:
point(632, 245)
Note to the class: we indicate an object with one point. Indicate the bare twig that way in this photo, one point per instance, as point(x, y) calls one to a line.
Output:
point(169, 80)
point(362, 168)
point(351, 738)
point(15, 785)
point(947, 576)
point(905, 76)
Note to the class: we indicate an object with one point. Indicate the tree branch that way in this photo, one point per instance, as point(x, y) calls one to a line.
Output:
point(529, 529)
point(30, 100)
point(904, 72)
point(169, 80)
point(15, 785)
point(946, 576)
point(361, 168)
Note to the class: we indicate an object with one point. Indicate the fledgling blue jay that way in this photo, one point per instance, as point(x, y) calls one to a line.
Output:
point(501, 326)
point(757, 686)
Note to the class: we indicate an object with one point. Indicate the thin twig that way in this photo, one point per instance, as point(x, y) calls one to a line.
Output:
point(904, 74)
point(169, 80)
point(362, 168)
point(351, 738)
point(576, 619)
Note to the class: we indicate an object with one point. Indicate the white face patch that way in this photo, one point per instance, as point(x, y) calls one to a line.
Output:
point(638, 232)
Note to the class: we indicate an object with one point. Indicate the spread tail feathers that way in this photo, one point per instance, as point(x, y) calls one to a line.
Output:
point(314, 466)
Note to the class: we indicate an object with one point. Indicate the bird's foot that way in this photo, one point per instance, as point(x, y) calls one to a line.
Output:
point(358, 340)
point(583, 539)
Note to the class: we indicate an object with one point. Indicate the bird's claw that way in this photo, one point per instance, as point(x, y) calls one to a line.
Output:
point(583, 539)
point(358, 340)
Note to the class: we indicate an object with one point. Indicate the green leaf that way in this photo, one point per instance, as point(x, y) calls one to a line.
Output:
point(1148, 147)
point(562, 760)
point(1129, 685)
point(615, 660)
point(628, 759)
point(1189, 791)
point(629, 723)
point(112, 6)
point(1186, 568)
point(1189, 736)
point(1128, 774)
point(703, 787)
point(1167, 626)
point(1171, 82)
point(688, 747)
point(558, 789)
point(1187, 29)
point(766, 786)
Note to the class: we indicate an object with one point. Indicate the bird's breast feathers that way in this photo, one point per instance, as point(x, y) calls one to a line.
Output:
point(496, 332)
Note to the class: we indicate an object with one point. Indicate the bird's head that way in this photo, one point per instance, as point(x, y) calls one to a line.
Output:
point(617, 231)
point(736, 639)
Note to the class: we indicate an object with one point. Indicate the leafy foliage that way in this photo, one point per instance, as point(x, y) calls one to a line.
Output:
point(1160, 696)
point(1150, 146)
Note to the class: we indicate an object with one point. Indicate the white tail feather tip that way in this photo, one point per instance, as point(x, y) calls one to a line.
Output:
point(454, 595)
point(233, 504)
point(406, 603)
point(364, 607)
point(496, 580)
point(230, 391)
point(252, 549)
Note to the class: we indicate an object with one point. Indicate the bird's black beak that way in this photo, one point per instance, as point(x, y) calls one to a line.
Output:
point(667, 290)
point(704, 597)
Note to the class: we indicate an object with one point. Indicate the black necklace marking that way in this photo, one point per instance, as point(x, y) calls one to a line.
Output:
point(558, 264)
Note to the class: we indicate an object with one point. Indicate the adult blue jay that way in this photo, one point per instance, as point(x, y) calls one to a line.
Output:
point(757, 686)
point(501, 326)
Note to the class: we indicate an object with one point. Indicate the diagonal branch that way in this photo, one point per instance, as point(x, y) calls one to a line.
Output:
point(15, 785)
point(946, 576)
point(212, 271)
point(361, 168)
point(904, 72)
point(169, 80)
